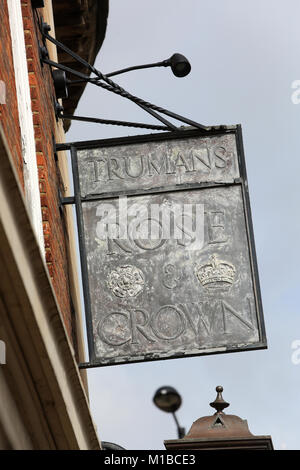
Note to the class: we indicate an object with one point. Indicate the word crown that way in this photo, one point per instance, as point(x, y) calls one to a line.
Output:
point(216, 273)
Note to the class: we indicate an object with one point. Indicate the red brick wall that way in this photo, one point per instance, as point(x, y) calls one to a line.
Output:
point(42, 99)
point(9, 117)
point(44, 121)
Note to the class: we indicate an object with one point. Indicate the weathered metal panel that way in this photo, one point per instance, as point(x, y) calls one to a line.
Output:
point(162, 297)
point(188, 291)
point(155, 165)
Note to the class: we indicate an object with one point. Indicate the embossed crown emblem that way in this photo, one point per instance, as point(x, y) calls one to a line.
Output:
point(216, 274)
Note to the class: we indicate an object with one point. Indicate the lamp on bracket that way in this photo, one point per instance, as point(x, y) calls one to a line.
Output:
point(167, 399)
point(179, 64)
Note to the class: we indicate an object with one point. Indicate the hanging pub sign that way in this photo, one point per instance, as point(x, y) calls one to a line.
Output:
point(167, 250)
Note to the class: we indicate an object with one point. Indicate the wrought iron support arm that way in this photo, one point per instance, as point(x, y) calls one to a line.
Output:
point(114, 87)
point(168, 126)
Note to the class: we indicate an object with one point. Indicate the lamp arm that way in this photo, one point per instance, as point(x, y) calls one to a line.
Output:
point(163, 63)
point(180, 430)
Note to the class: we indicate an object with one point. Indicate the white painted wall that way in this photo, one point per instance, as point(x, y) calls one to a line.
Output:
point(25, 116)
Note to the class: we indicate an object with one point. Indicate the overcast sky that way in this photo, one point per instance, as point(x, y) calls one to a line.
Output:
point(245, 58)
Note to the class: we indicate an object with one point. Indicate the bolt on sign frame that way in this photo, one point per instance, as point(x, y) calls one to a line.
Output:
point(167, 297)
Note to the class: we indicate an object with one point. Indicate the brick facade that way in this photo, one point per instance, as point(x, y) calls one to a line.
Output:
point(44, 121)
point(9, 117)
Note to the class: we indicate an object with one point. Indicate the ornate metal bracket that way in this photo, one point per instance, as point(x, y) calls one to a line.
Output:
point(105, 82)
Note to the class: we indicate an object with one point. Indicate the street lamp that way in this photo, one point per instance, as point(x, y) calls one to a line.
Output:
point(168, 399)
point(179, 64)
point(110, 446)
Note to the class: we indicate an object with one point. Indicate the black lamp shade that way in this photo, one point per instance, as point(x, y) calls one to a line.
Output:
point(167, 399)
point(180, 65)
point(110, 446)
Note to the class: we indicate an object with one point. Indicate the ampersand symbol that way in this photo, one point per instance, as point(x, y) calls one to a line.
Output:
point(172, 276)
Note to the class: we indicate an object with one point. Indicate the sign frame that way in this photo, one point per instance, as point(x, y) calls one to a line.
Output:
point(78, 200)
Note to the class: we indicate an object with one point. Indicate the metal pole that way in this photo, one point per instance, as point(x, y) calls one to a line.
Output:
point(180, 430)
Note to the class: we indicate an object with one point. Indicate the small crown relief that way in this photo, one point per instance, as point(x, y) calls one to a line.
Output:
point(216, 274)
point(126, 281)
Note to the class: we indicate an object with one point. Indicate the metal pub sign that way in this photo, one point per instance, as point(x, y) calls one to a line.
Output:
point(167, 250)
